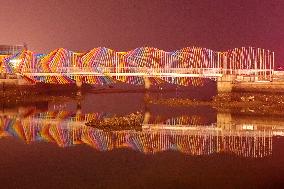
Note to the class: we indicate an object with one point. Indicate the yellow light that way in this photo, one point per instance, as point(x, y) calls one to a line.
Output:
point(248, 127)
point(15, 62)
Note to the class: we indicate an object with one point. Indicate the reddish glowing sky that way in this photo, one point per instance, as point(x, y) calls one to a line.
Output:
point(122, 25)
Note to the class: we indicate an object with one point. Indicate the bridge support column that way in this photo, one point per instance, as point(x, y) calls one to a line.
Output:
point(225, 84)
point(78, 84)
point(147, 83)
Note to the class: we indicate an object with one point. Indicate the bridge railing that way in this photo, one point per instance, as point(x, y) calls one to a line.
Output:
point(246, 71)
point(127, 70)
point(264, 74)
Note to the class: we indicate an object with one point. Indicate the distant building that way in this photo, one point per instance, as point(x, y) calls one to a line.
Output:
point(7, 50)
point(11, 49)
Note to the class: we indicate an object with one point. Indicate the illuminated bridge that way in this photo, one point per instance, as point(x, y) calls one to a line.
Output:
point(141, 66)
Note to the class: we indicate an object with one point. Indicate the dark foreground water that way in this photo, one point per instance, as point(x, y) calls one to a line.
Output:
point(47, 145)
point(44, 165)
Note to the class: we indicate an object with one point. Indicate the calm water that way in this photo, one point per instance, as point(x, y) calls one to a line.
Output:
point(47, 145)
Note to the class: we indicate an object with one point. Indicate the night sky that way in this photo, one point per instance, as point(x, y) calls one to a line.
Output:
point(81, 25)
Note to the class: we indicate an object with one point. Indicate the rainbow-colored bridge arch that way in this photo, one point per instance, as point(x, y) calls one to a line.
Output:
point(101, 65)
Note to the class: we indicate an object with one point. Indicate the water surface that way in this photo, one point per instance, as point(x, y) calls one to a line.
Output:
point(48, 145)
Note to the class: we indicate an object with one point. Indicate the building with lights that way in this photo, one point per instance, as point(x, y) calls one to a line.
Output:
point(7, 50)
point(11, 49)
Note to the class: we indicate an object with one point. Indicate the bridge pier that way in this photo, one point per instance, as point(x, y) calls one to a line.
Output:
point(225, 84)
point(147, 83)
point(78, 84)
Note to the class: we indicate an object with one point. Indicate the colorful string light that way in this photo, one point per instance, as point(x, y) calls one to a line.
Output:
point(105, 66)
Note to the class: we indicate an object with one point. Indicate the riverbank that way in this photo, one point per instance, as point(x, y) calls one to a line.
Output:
point(235, 102)
point(14, 94)
point(249, 103)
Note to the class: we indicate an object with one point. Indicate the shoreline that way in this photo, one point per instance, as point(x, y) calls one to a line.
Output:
point(236, 102)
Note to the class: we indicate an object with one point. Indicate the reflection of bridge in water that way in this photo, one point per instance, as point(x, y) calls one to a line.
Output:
point(189, 139)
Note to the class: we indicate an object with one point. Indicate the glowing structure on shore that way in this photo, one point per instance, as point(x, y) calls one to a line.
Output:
point(187, 66)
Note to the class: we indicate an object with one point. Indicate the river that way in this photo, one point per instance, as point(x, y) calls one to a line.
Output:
point(47, 145)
